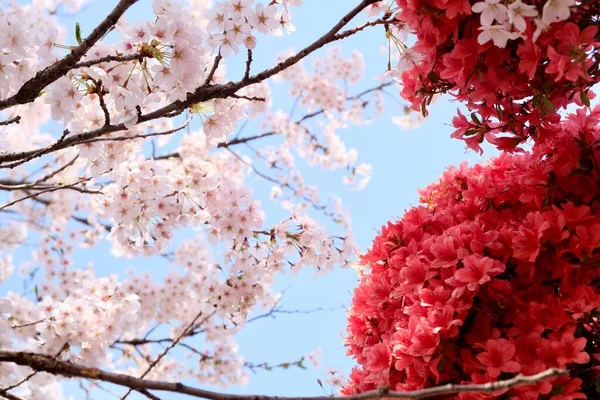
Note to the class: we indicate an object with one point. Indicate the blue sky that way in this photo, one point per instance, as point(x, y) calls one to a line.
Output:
point(403, 161)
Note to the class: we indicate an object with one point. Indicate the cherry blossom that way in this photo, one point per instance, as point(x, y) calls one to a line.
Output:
point(122, 146)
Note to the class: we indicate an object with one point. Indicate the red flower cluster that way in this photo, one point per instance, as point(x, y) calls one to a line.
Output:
point(497, 273)
point(513, 63)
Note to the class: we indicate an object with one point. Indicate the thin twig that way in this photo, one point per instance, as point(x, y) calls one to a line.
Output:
point(248, 65)
point(99, 90)
point(12, 185)
point(14, 120)
point(169, 348)
point(51, 189)
point(10, 396)
point(121, 58)
point(140, 136)
point(27, 324)
point(253, 98)
point(212, 71)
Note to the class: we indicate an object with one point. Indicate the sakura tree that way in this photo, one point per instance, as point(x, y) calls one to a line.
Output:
point(129, 132)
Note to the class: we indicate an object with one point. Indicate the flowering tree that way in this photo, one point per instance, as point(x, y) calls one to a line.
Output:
point(496, 273)
point(129, 132)
point(99, 141)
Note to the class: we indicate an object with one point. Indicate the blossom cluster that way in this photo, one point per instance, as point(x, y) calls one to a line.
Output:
point(83, 313)
point(514, 63)
point(495, 274)
point(26, 45)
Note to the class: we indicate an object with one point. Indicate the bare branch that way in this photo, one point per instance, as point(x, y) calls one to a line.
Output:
point(248, 65)
point(99, 90)
point(27, 324)
point(14, 120)
point(140, 136)
point(148, 394)
point(30, 155)
point(5, 390)
point(247, 139)
point(215, 65)
point(169, 348)
point(52, 189)
point(350, 32)
point(32, 88)
point(121, 58)
point(271, 313)
point(10, 396)
point(254, 98)
point(41, 362)
point(12, 185)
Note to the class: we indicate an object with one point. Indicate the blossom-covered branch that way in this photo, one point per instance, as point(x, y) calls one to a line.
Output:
point(32, 88)
point(201, 94)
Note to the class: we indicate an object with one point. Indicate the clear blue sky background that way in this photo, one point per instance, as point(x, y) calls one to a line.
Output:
point(403, 161)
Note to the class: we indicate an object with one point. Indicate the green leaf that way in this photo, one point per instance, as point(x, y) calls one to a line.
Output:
point(557, 390)
point(475, 119)
point(78, 33)
point(548, 104)
point(598, 386)
point(584, 98)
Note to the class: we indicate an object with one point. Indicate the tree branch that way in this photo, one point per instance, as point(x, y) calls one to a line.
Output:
point(123, 58)
point(45, 363)
point(10, 396)
point(169, 348)
point(71, 186)
point(14, 120)
point(247, 139)
point(248, 65)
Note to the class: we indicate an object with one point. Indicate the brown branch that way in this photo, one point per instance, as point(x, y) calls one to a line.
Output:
point(169, 348)
point(5, 390)
point(81, 220)
point(30, 155)
point(52, 365)
point(247, 139)
point(32, 88)
point(201, 94)
point(350, 32)
point(100, 92)
point(8, 185)
point(27, 324)
point(14, 120)
point(248, 65)
point(148, 394)
point(140, 136)
point(212, 71)
point(51, 189)
point(253, 98)
point(271, 313)
point(10, 396)
point(122, 58)
point(13, 185)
